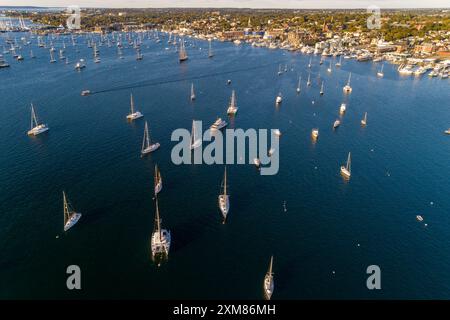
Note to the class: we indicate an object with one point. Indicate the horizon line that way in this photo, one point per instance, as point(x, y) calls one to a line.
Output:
point(236, 8)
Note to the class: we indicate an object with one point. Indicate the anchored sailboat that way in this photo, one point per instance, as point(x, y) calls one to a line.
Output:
point(346, 170)
point(269, 281)
point(70, 216)
point(339, 63)
point(232, 107)
point(380, 73)
point(210, 52)
point(161, 238)
point(133, 114)
point(158, 180)
point(308, 83)
point(36, 127)
point(364, 120)
point(347, 88)
point(321, 89)
point(192, 92)
point(147, 146)
point(329, 68)
point(278, 99)
point(299, 84)
point(195, 140)
point(224, 198)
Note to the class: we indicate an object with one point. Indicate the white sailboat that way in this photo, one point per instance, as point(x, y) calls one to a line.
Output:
point(339, 63)
point(133, 114)
point(210, 52)
point(70, 216)
point(224, 198)
point(364, 120)
point(314, 133)
point(36, 127)
point(279, 99)
point(309, 64)
point(321, 89)
point(380, 73)
point(52, 58)
point(342, 108)
point(158, 180)
point(161, 238)
point(196, 141)
point(218, 124)
point(308, 83)
point(346, 170)
point(329, 68)
point(299, 84)
point(269, 281)
point(232, 107)
point(147, 146)
point(336, 123)
point(192, 92)
point(347, 88)
point(182, 55)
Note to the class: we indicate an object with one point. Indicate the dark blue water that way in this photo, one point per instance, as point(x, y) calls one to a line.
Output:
point(400, 168)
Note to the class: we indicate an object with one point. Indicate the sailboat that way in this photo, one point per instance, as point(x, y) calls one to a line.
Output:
point(161, 238)
point(192, 92)
point(268, 281)
point(336, 123)
point(147, 146)
point(321, 89)
point(158, 180)
point(347, 88)
point(139, 55)
point(224, 199)
point(210, 52)
point(133, 114)
point(70, 216)
point(232, 107)
point(279, 99)
point(309, 64)
point(3, 64)
point(182, 55)
point(308, 83)
point(342, 108)
point(36, 127)
point(339, 63)
point(279, 70)
point(380, 72)
point(299, 84)
point(52, 59)
point(364, 120)
point(346, 170)
point(329, 68)
point(314, 133)
point(195, 140)
point(32, 56)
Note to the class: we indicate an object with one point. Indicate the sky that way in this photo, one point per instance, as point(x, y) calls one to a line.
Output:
point(293, 4)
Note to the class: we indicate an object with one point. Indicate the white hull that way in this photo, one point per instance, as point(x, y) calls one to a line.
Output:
point(158, 188)
point(134, 116)
point(224, 205)
point(72, 221)
point(347, 89)
point(278, 100)
point(344, 172)
point(268, 287)
point(150, 148)
point(196, 144)
point(38, 130)
point(232, 111)
point(160, 243)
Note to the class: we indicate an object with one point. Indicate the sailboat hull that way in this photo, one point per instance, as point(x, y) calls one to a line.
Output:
point(74, 217)
point(268, 287)
point(158, 188)
point(345, 173)
point(37, 130)
point(224, 205)
point(134, 116)
point(150, 148)
point(160, 242)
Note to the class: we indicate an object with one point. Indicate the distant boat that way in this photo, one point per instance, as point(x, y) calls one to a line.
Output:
point(195, 140)
point(309, 64)
point(182, 55)
point(210, 52)
point(36, 127)
point(277, 132)
point(280, 72)
point(147, 146)
point(447, 131)
point(321, 89)
point(85, 92)
point(339, 63)
point(380, 72)
point(192, 92)
point(139, 55)
point(158, 180)
point(52, 58)
point(161, 238)
point(3, 63)
point(70, 216)
point(364, 120)
point(347, 88)
point(346, 170)
point(342, 108)
point(133, 114)
point(336, 124)
point(218, 124)
point(419, 218)
point(232, 107)
point(308, 83)
point(81, 64)
point(329, 68)
point(315, 133)
point(299, 84)
point(269, 281)
point(32, 56)
point(279, 99)
point(224, 198)
point(257, 162)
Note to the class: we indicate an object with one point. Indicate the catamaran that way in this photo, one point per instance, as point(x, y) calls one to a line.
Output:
point(299, 84)
point(160, 242)
point(218, 124)
point(232, 107)
point(224, 198)
point(133, 114)
point(364, 120)
point(380, 73)
point(346, 170)
point(268, 281)
point(70, 216)
point(147, 146)
point(347, 88)
point(196, 141)
point(182, 55)
point(36, 127)
point(158, 180)
point(192, 92)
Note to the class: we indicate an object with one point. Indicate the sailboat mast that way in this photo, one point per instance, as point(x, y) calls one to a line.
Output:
point(158, 220)
point(349, 163)
point(270, 266)
point(349, 77)
point(225, 182)
point(131, 103)
point(66, 208)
